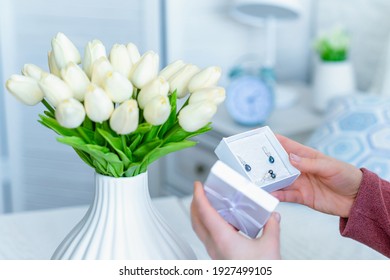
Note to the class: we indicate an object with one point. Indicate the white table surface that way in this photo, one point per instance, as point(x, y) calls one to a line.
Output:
point(305, 234)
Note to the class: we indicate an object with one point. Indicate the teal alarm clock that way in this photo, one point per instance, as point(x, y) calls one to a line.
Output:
point(249, 100)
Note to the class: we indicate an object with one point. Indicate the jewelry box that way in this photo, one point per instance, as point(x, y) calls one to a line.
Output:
point(240, 202)
point(258, 156)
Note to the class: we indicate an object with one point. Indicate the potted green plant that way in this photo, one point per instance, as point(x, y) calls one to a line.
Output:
point(334, 75)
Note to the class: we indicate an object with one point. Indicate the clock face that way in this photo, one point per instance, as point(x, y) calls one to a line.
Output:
point(249, 101)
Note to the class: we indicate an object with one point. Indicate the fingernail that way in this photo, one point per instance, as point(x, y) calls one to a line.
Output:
point(277, 216)
point(294, 157)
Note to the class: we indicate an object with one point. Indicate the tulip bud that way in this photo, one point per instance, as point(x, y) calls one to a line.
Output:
point(208, 77)
point(100, 69)
point(157, 87)
point(179, 81)
point(97, 104)
point(145, 70)
point(124, 119)
point(76, 79)
point(215, 95)
point(157, 110)
point(64, 51)
point(55, 89)
point(25, 89)
point(117, 87)
point(171, 69)
point(53, 65)
point(70, 113)
point(133, 53)
point(33, 71)
point(120, 60)
point(93, 51)
point(195, 116)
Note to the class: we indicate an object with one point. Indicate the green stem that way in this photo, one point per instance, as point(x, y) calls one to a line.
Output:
point(48, 106)
point(83, 135)
point(124, 144)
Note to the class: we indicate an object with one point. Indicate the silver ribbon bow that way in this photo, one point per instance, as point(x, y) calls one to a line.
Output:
point(233, 211)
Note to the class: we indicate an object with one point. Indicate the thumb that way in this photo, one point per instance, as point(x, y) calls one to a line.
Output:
point(271, 231)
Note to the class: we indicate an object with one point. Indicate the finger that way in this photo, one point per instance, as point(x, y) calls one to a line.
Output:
point(311, 165)
point(196, 221)
point(210, 219)
point(289, 195)
point(271, 231)
point(294, 147)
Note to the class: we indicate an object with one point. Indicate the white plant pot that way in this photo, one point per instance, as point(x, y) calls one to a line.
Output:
point(122, 223)
point(331, 79)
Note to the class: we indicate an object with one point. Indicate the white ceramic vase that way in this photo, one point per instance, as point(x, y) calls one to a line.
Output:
point(122, 223)
point(331, 79)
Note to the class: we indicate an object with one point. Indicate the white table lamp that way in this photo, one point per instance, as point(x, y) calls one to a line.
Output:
point(265, 13)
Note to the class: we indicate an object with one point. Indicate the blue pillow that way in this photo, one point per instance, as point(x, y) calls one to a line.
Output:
point(357, 130)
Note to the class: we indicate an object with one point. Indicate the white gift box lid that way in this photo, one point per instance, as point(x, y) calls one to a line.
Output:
point(240, 202)
point(254, 148)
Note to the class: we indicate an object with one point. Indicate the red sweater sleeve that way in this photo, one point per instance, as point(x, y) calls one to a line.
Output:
point(369, 219)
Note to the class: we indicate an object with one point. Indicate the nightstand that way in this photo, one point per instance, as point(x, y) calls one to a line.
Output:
point(182, 168)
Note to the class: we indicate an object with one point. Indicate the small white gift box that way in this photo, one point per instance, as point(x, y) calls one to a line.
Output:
point(258, 155)
point(240, 202)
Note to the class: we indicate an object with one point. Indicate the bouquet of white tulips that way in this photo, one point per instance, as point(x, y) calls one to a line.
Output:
point(118, 112)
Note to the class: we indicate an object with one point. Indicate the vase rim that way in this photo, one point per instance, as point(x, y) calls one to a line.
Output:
point(98, 175)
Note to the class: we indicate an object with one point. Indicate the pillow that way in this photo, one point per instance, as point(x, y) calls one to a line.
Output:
point(357, 130)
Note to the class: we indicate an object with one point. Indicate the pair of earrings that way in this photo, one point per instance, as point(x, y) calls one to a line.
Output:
point(271, 159)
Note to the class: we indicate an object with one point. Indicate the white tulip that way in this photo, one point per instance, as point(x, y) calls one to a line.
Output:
point(117, 87)
point(180, 80)
point(25, 89)
point(171, 69)
point(208, 77)
point(53, 65)
point(120, 60)
point(100, 69)
point(145, 70)
point(32, 71)
point(124, 119)
point(55, 89)
point(97, 104)
point(70, 113)
point(195, 116)
point(76, 79)
point(93, 51)
point(157, 87)
point(133, 53)
point(64, 51)
point(215, 95)
point(157, 110)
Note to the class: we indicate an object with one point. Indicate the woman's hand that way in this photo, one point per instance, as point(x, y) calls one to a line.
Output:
point(222, 241)
point(326, 184)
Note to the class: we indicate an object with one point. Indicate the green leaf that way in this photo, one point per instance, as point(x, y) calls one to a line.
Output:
point(85, 157)
point(177, 133)
point(56, 127)
point(172, 119)
point(146, 148)
point(167, 149)
point(88, 124)
point(135, 142)
point(142, 129)
point(49, 114)
point(116, 144)
point(152, 134)
point(106, 160)
point(130, 172)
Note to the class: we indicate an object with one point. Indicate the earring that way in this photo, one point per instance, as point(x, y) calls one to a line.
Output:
point(269, 175)
point(271, 159)
point(246, 166)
